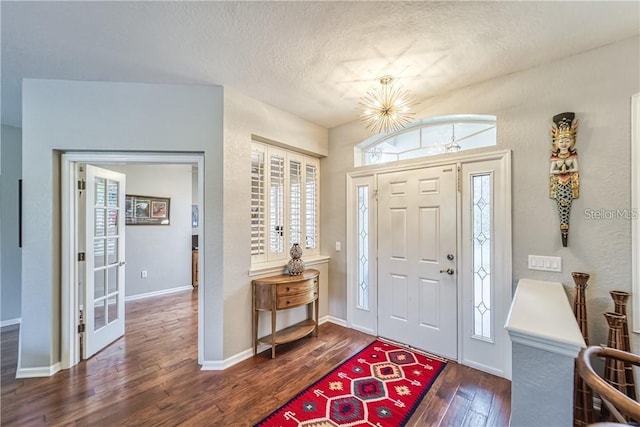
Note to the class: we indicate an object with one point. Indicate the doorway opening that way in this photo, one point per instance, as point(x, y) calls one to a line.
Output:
point(72, 270)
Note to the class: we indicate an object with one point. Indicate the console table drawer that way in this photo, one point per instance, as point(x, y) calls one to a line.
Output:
point(296, 288)
point(296, 300)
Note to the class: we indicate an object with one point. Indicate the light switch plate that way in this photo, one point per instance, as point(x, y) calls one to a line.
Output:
point(545, 263)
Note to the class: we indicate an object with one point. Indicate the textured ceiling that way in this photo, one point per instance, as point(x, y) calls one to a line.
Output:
point(313, 59)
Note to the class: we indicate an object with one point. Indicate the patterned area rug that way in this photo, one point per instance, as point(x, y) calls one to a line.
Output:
point(380, 386)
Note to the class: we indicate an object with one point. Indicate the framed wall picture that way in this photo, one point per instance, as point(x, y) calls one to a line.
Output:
point(146, 210)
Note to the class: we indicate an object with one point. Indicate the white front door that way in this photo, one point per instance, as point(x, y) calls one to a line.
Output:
point(417, 289)
point(104, 258)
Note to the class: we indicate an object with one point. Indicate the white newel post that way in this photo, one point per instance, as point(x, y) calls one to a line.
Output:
point(546, 340)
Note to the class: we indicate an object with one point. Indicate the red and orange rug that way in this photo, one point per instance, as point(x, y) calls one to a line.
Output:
point(382, 385)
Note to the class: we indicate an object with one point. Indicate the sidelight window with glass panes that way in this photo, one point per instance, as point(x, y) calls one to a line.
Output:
point(482, 199)
point(284, 203)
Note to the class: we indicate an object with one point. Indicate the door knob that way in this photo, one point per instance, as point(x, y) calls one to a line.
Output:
point(450, 257)
point(449, 271)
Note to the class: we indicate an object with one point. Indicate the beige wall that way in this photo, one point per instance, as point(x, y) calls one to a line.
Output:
point(244, 117)
point(597, 85)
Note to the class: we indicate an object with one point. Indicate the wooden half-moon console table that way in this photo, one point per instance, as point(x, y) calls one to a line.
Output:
point(282, 292)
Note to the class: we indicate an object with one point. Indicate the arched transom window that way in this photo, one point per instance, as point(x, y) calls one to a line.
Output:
point(428, 137)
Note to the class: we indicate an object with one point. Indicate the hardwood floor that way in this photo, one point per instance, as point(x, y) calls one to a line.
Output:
point(150, 377)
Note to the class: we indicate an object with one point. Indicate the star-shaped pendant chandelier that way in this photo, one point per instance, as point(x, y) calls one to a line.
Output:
point(386, 108)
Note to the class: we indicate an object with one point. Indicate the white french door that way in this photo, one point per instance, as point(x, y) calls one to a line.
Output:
point(104, 248)
point(417, 279)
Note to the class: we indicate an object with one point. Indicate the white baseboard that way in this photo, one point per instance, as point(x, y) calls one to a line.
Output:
point(336, 320)
point(10, 322)
point(42, 371)
point(485, 368)
point(367, 331)
point(214, 365)
point(158, 293)
point(220, 365)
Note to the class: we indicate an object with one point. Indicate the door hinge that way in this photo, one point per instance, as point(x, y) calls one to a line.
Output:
point(459, 180)
point(81, 328)
point(82, 185)
point(375, 194)
point(81, 256)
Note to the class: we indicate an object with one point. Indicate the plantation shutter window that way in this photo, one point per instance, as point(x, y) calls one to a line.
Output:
point(257, 204)
point(295, 201)
point(276, 204)
point(311, 206)
point(284, 203)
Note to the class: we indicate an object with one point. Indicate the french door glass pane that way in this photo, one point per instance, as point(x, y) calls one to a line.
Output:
point(112, 193)
point(99, 253)
point(99, 314)
point(99, 283)
point(100, 187)
point(112, 222)
point(99, 222)
point(112, 279)
point(112, 309)
point(112, 251)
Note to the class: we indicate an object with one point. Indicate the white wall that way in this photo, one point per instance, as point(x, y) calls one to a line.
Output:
point(63, 116)
point(244, 117)
point(10, 253)
point(597, 86)
point(163, 251)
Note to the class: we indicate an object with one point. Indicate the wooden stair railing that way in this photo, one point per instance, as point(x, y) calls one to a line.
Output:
point(621, 406)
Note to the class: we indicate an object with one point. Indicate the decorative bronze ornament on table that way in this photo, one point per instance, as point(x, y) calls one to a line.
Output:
point(564, 178)
point(295, 265)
